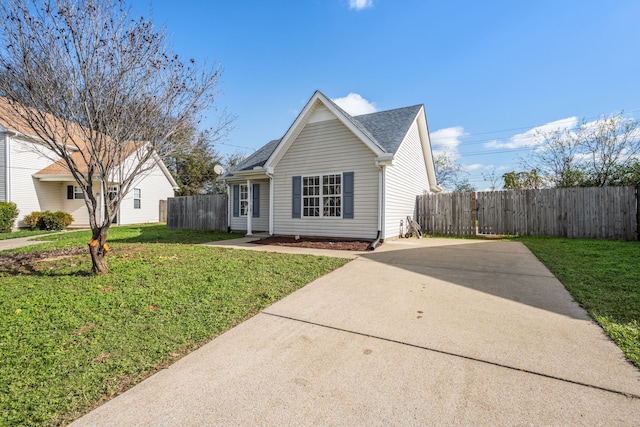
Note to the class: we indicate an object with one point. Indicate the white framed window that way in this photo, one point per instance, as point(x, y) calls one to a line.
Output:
point(77, 192)
point(322, 196)
point(244, 199)
point(137, 198)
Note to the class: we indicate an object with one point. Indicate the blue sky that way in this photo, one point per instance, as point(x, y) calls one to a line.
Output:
point(488, 72)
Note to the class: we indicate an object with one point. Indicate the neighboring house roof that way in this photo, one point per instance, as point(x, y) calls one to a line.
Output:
point(386, 129)
point(10, 120)
point(61, 168)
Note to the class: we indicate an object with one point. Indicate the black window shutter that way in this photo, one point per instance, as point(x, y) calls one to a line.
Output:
point(69, 192)
point(236, 200)
point(296, 199)
point(256, 200)
point(347, 195)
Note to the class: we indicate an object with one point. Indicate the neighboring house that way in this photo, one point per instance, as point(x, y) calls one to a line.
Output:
point(334, 175)
point(34, 182)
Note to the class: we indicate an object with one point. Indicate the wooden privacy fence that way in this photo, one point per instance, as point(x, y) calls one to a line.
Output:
point(450, 213)
point(162, 211)
point(597, 212)
point(198, 212)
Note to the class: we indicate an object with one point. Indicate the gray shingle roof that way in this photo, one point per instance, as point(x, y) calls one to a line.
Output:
point(387, 129)
point(256, 159)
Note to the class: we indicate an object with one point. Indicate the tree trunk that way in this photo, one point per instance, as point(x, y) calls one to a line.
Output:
point(98, 249)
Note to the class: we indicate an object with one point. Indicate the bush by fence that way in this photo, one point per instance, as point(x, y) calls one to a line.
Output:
point(596, 212)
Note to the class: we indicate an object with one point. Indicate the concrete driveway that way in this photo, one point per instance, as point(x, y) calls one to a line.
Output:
point(429, 332)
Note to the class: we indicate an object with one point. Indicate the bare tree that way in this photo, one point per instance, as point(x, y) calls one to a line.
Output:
point(591, 154)
point(101, 91)
point(612, 144)
point(450, 175)
point(493, 178)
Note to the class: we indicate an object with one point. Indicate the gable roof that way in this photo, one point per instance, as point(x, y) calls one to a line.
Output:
point(389, 127)
point(386, 129)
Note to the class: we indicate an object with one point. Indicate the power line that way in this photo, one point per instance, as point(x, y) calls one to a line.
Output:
point(625, 113)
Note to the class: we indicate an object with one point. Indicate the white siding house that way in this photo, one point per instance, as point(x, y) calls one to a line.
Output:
point(32, 179)
point(335, 175)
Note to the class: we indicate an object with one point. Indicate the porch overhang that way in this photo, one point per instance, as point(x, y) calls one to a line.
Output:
point(257, 172)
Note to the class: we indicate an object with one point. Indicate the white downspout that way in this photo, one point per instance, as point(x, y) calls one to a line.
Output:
point(381, 221)
point(249, 208)
point(271, 186)
point(380, 234)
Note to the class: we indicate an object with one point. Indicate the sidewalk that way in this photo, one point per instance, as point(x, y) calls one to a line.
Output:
point(19, 242)
point(430, 332)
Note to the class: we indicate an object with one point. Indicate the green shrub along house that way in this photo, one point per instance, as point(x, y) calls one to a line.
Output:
point(8, 214)
point(48, 220)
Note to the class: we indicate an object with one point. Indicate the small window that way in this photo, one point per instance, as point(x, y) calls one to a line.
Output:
point(137, 196)
point(244, 200)
point(77, 192)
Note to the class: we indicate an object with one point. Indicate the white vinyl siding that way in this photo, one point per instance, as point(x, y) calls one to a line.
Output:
point(3, 167)
point(154, 186)
point(321, 148)
point(405, 180)
point(28, 193)
point(258, 224)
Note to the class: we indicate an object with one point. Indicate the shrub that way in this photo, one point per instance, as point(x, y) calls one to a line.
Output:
point(48, 220)
point(32, 220)
point(8, 214)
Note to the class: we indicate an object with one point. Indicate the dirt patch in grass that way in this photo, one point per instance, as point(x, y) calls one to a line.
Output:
point(315, 243)
point(25, 262)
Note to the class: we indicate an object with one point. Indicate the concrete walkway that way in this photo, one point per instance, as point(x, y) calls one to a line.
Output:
point(429, 332)
point(19, 242)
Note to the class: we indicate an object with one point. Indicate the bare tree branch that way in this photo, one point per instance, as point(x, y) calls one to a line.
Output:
point(101, 90)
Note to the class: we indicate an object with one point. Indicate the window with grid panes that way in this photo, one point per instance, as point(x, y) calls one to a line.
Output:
point(244, 200)
point(322, 196)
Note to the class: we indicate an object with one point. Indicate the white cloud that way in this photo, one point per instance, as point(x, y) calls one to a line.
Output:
point(475, 166)
point(360, 4)
point(532, 137)
point(355, 104)
point(447, 140)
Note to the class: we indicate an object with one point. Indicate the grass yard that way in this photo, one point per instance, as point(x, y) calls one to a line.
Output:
point(604, 277)
point(70, 341)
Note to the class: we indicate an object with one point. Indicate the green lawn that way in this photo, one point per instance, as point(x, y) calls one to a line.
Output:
point(604, 277)
point(70, 340)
